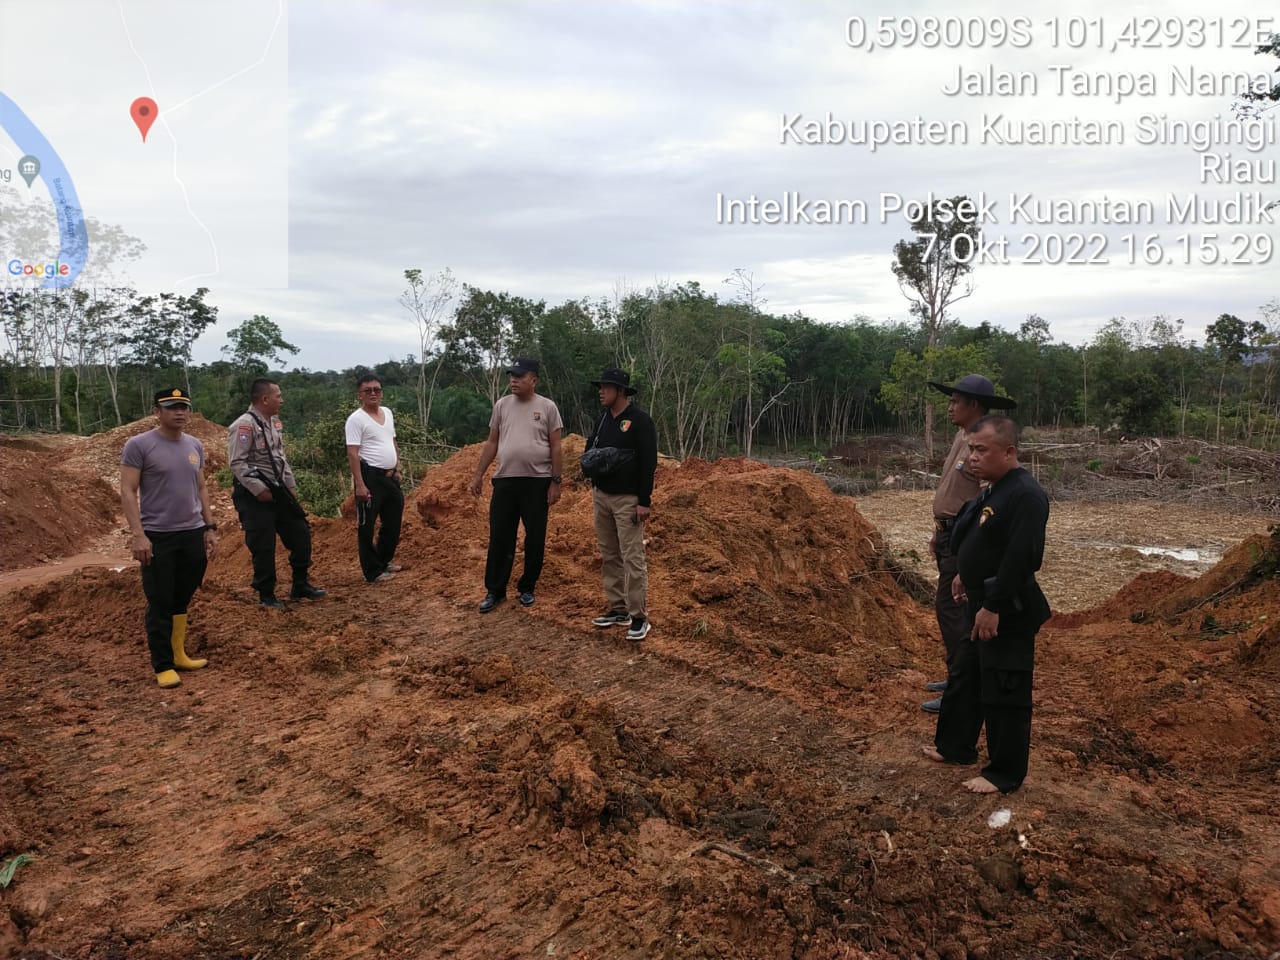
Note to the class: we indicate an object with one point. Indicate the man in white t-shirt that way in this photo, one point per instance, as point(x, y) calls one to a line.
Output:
point(375, 470)
point(524, 434)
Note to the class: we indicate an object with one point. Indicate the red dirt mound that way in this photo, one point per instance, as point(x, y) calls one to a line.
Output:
point(47, 509)
point(59, 493)
point(741, 556)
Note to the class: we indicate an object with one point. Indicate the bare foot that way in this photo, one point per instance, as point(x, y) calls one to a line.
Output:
point(981, 785)
point(933, 754)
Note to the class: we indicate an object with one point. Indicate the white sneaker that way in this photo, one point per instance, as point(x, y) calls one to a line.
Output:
point(383, 577)
point(639, 629)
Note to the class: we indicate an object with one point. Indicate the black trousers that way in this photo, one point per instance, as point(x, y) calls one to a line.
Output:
point(262, 522)
point(954, 622)
point(386, 503)
point(980, 694)
point(516, 500)
point(169, 581)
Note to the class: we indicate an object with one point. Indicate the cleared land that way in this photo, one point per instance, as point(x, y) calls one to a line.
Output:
point(388, 774)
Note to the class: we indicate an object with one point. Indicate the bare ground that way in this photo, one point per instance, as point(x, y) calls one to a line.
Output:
point(387, 773)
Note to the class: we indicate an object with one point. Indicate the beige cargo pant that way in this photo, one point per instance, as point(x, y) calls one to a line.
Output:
point(621, 539)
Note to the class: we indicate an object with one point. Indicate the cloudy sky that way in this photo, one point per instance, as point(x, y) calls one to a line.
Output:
point(562, 149)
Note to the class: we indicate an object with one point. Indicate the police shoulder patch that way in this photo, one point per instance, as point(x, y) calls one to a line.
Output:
point(242, 436)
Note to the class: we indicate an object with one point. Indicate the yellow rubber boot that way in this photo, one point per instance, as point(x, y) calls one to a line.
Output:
point(178, 639)
point(169, 678)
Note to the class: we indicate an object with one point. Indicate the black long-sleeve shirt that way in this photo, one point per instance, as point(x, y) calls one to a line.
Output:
point(998, 540)
point(632, 429)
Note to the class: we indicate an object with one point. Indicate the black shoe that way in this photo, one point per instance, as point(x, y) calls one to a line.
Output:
point(937, 686)
point(305, 591)
point(526, 598)
point(932, 706)
point(613, 618)
point(490, 601)
point(270, 601)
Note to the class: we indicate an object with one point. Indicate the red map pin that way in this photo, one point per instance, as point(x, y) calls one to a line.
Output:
point(144, 112)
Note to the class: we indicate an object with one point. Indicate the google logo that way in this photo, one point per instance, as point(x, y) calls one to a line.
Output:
point(56, 269)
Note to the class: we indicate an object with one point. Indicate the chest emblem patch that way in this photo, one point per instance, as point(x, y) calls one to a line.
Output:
point(193, 459)
point(987, 514)
point(624, 426)
point(537, 415)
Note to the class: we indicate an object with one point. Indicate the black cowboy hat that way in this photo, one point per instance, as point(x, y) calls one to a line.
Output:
point(616, 378)
point(980, 388)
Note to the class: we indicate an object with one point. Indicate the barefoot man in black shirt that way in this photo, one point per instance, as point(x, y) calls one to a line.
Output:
point(998, 539)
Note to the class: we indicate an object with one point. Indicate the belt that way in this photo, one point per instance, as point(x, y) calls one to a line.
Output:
point(943, 524)
point(379, 470)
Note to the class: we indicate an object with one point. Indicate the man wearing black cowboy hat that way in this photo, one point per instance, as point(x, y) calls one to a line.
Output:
point(524, 434)
point(972, 397)
point(621, 501)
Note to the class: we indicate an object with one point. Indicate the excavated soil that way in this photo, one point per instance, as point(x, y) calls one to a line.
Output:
point(389, 774)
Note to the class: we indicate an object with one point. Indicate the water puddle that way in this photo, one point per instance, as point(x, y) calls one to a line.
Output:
point(1204, 557)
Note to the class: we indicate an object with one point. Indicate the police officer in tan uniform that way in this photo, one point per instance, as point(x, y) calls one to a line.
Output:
point(265, 495)
point(972, 397)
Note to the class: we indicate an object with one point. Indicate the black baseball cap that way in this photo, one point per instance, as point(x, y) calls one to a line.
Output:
point(523, 365)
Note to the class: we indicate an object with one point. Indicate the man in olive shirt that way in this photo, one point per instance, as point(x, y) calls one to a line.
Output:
point(524, 434)
point(971, 398)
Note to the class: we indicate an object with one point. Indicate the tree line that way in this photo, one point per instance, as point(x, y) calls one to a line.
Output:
point(720, 373)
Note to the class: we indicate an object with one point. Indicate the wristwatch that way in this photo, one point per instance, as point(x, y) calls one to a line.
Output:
point(556, 479)
point(210, 526)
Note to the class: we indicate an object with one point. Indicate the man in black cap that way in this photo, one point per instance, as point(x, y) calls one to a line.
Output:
point(166, 504)
point(621, 502)
point(524, 434)
point(972, 397)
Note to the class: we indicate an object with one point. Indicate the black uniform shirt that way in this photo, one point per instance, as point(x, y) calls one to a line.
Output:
point(998, 541)
point(632, 429)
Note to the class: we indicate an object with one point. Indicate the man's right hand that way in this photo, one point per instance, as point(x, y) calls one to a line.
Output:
point(933, 545)
point(362, 492)
point(265, 496)
point(475, 487)
point(142, 549)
